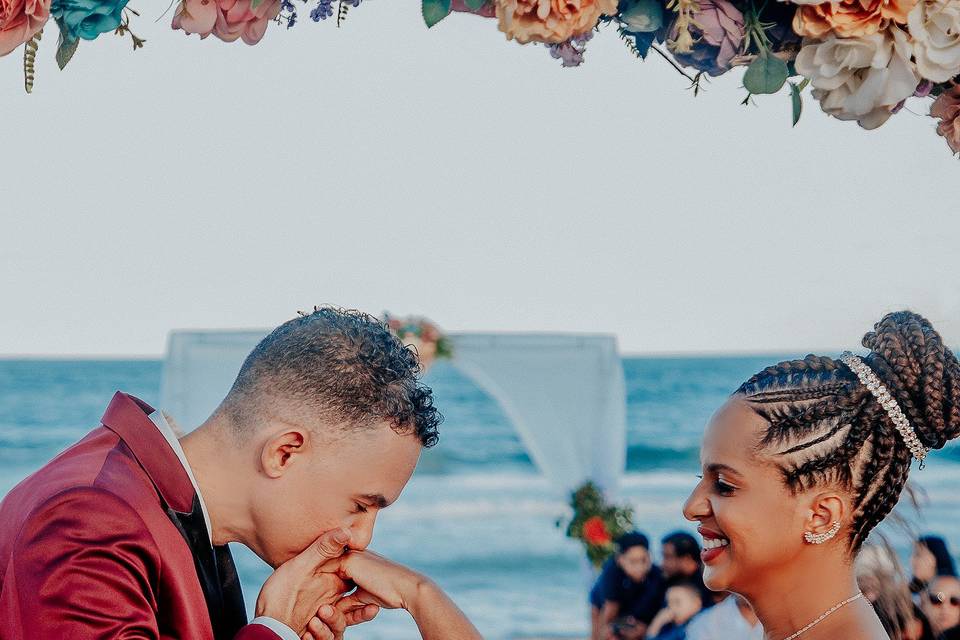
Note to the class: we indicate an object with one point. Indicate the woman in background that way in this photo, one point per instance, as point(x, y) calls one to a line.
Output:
point(941, 603)
point(804, 460)
point(930, 558)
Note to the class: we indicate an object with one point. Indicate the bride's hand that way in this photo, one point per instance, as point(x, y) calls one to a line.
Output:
point(379, 581)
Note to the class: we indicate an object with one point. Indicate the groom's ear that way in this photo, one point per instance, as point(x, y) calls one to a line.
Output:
point(282, 450)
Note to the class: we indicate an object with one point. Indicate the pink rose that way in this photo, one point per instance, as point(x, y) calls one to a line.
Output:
point(226, 19)
point(947, 109)
point(721, 27)
point(20, 20)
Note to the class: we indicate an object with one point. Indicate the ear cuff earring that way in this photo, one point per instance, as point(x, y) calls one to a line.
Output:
point(820, 538)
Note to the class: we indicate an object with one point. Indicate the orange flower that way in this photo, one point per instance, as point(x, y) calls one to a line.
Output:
point(552, 21)
point(850, 18)
point(595, 531)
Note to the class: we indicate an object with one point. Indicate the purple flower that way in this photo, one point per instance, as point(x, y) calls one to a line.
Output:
point(923, 89)
point(289, 11)
point(571, 51)
point(322, 11)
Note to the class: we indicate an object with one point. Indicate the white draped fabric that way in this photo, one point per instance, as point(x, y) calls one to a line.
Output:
point(564, 393)
point(199, 368)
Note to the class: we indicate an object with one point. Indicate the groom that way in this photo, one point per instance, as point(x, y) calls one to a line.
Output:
point(124, 535)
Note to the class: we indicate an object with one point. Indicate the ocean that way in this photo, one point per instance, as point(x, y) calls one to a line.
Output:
point(477, 517)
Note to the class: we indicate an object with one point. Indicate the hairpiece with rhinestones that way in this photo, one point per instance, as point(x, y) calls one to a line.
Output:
point(870, 380)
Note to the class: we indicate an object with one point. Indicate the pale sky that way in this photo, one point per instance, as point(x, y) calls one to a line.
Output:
point(452, 174)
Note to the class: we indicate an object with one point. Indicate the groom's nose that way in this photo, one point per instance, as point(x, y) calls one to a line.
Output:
point(361, 531)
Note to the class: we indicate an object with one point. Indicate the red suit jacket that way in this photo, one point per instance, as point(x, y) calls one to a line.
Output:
point(107, 541)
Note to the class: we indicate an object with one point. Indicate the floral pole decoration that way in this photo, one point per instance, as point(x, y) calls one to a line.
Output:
point(597, 523)
point(425, 337)
point(862, 59)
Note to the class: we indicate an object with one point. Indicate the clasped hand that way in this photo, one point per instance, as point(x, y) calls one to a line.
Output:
point(325, 589)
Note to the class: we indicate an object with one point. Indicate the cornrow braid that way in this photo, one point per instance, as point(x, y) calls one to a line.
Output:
point(824, 426)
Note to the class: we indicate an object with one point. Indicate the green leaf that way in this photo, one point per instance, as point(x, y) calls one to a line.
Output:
point(797, 100)
point(767, 74)
point(65, 48)
point(255, 3)
point(435, 10)
point(475, 5)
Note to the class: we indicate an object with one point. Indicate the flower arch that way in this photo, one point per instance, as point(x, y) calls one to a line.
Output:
point(861, 59)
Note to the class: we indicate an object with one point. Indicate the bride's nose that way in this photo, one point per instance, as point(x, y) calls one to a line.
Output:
point(697, 506)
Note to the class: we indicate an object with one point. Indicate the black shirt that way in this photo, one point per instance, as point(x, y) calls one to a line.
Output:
point(642, 600)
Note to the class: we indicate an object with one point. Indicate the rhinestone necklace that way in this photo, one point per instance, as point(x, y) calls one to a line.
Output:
point(824, 616)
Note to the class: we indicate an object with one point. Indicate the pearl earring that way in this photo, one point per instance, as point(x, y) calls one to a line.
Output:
point(820, 538)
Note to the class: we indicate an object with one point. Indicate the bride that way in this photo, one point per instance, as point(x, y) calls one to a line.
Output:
point(804, 460)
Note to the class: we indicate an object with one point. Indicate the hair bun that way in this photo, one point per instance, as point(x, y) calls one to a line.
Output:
point(921, 373)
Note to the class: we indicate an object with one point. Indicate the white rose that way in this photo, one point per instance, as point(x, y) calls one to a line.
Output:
point(862, 78)
point(935, 29)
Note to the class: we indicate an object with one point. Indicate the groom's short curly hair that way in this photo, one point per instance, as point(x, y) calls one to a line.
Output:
point(335, 366)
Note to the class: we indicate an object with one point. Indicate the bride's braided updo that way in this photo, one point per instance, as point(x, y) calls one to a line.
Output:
point(824, 426)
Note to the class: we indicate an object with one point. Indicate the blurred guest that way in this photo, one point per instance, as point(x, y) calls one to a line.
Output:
point(941, 604)
point(882, 580)
point(681, 563)
point(930, 558)
point(684, 601)
point(732, 619)
point(628, 593)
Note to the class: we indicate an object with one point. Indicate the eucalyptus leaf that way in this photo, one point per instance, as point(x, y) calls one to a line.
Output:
point(643, 43)
point(435, 10)
point(65, 48)
point(475, 5)
point(767, 74)
point(642, 16)
point(797, 100)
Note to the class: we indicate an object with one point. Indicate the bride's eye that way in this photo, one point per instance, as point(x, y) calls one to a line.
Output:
point(723, 488)
point(360, 508)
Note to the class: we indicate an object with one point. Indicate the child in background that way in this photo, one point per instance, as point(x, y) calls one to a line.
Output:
point(684, 601)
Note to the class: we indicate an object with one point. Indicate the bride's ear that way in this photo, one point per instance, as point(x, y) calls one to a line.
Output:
point(825, 509)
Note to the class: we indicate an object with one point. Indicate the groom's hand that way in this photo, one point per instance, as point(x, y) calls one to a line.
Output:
point(331, 621)
point(299, 587)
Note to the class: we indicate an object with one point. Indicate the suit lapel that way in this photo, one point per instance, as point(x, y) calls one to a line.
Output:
point(129, 418)
point(216, 572)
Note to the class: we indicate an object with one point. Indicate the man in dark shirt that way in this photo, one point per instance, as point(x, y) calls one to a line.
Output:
point(682, 564)
point(628, 593)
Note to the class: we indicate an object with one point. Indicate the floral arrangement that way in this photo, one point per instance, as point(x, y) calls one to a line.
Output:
point(22, 23)
point(596, 523)
point(431, 344)
point(862, 59)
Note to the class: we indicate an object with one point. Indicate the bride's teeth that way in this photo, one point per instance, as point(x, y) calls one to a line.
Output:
point(715, 543)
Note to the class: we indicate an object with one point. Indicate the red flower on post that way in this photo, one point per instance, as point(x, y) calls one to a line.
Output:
point(595, 531)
